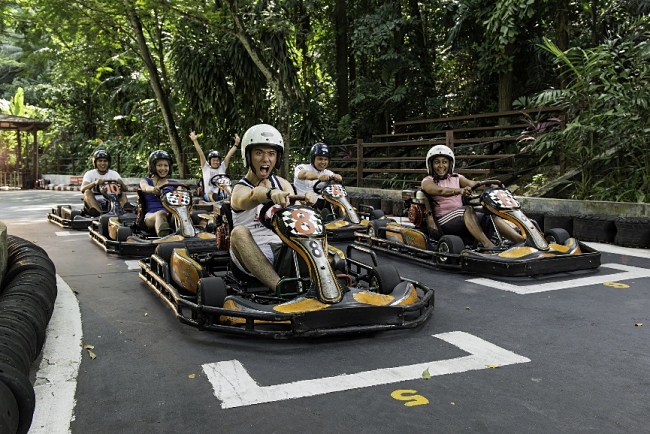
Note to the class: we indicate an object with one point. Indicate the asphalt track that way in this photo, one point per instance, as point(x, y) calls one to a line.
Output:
point(561, 354)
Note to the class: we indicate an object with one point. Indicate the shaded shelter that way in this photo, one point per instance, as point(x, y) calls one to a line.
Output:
point(22, 124)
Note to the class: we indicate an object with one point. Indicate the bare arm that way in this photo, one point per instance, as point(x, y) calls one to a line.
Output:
point(231, 152)
point(146, 188)
point(198, 148)
point(433, 189)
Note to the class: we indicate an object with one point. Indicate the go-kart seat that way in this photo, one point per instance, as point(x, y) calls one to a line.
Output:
point(434, 231)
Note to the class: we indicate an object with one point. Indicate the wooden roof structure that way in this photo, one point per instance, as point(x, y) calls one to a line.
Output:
point(22, 124)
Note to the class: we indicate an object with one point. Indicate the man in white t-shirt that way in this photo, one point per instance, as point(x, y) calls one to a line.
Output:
point(307, 175)
point(95, 202)
point(213, 166)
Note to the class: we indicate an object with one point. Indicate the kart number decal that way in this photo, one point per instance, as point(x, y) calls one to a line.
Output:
point(178, 198)
point(336, 190)
point(303, 222)
point(315, 249)
point(112, 188)
point(410, 397)
point(504, 199)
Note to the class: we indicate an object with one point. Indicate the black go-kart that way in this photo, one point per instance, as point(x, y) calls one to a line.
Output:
point(322, 291)
point(78, 217)
point(340, 218)
point(554, 251)
point(127, 235)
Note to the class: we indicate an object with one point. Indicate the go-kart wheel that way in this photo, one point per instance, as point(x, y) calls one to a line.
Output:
point(450, 244)
point(557, 236)
point(374, 227)
point(123, 232)
point(103, 224)
point(339, 265)
point(384, 278)
point(376, 214)
point(212, 291)
point(165, 250)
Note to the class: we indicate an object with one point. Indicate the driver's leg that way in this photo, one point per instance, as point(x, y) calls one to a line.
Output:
point(91, 203)
point(249, 255)
point(474, 227)
point(507, 231)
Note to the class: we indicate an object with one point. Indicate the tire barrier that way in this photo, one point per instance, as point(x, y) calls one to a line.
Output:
point(564, 221)
point(633, 232)
point(27, 297)
point(600, 229)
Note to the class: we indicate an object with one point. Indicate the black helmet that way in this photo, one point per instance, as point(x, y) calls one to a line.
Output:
point(159, 155)
point(101, 154)
point(319, 149)
point(213, 154)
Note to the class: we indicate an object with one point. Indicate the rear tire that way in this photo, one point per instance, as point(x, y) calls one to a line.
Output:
point(452, 245)
point(374, 227)
point(376, 214)
point(384, 278)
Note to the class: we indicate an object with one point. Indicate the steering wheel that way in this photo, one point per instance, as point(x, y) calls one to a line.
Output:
point(265, 219)
point(172, 184)
point(110, 187)
point(215, 179)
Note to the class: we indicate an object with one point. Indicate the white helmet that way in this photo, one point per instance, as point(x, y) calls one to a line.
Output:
point(262, 134)
point(437, 151)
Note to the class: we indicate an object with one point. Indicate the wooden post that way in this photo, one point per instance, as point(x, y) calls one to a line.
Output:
point(359, 162)
point(35, 165)
point(449, 139)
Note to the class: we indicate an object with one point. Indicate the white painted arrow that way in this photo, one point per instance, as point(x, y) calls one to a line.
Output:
point(234, 386)
point(69, 233)
point(627, 274)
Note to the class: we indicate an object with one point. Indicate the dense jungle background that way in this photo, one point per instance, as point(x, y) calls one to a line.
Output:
point(131, 76)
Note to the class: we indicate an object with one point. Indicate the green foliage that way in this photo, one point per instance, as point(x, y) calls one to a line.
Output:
point(606, 135)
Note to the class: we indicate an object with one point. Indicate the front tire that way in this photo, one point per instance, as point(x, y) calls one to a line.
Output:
point(449, 246)
point(557, 236)
point(384, 278)
point(212, 291)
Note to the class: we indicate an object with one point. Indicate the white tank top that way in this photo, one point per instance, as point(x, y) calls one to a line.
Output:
point(251, 218)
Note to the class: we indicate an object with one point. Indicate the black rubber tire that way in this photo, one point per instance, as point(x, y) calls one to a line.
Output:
point(557, 236)
point(384, 278)
point(103, 225)
point(165, 250)
point(595, 228)
point(564, 221)
point(123, 232)
point(14, 354)
point(373, 200)
point(212, 291)
point(452, 244)
point(23, 392)
point(22, 334)
point(374, 227)
point(633, 232)
point(376, 214)
point(9, 413)
point(33, 263)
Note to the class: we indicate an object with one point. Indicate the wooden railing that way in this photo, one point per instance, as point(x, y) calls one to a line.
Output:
point(485, 145)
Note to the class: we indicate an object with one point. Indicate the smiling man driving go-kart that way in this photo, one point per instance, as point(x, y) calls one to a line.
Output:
point(446, 189)
point(253, 247)
point(307, 175)
point(93, 199)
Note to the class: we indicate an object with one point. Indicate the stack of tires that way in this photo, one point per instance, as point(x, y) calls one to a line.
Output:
point(27, 295)
point(621, 231)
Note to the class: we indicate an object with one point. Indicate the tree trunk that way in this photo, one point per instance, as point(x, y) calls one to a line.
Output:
point(156, 85)
point(342, 83)
point(562, 32)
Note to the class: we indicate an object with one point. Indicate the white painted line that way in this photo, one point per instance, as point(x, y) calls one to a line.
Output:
point(56, 379)
point(627, 274)
point(629, 251)
point(69, 233)
point(132, 265)
point(234, 386)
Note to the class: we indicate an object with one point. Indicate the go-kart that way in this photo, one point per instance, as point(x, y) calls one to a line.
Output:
point(223, 184)
point(340, 218)
point(322, 291)
point(554, 251)
point(127, 234)
point(78, 217)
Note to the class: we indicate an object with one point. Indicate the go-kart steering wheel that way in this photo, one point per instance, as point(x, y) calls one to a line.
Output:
point(266, 219)
point(215, 179)
point(487, 182)
point(320, 186)
point(172, 184)
point(109, 187)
